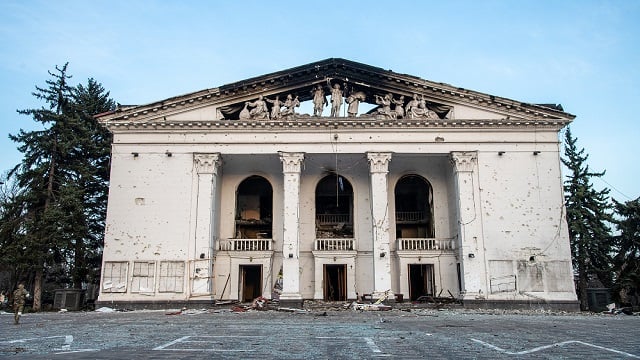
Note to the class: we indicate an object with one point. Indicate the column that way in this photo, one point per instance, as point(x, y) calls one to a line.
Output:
point(378, 169)
point(201, 272)
point(471, 249)
point(291, 165)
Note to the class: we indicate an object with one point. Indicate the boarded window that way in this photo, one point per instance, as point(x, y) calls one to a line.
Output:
point(559, 276)
point(502, 277)
point(114, 277)
point(530, 276)
point(171, 276)
point(143, 276)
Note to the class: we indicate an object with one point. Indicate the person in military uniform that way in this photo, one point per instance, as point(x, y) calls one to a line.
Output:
point(19, 297)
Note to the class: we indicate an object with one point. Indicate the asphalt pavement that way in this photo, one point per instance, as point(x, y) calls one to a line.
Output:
point(332, 333)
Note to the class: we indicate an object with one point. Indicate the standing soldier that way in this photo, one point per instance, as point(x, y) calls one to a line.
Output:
point(19, 296)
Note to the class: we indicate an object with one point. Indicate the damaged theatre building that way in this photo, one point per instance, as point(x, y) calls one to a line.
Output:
point(334, 180)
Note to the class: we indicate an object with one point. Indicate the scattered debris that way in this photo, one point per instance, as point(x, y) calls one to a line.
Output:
point(376, 306)
point(383, 298)
point(260, 303)
point(293, 310)
point(613, 310)
point(438, 301)
point(226, 302)
point(105, 310)
point(371, 307)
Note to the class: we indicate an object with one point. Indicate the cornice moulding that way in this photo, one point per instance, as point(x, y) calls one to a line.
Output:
point(335, 123)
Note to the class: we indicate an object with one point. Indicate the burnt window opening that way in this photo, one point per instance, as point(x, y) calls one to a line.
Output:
point(334, 208)
point(254, 208)
point(414, 208)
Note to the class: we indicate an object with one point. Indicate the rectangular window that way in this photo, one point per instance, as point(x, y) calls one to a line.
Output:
point(114, 277)
point(171, 276)
point(143, 276)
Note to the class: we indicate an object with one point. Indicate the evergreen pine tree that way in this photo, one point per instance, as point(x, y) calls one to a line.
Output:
point(627, 258)
point(588, 217)
point(93, 160)
point(40, 176)
point(63, 179)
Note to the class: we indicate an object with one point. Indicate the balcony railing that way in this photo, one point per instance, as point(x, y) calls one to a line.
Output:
point(426, 244)
point(332, 218)
point(245, 245)
point(334, 245)
point(409, 216)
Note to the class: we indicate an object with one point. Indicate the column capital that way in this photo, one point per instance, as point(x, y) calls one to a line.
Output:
point(291, 162)
point(464, 161)
point(207, 163)
point(379, 161)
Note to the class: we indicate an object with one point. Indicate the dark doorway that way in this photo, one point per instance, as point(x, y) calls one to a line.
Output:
point(250, 282)
point(421, 281)
point(335, 282)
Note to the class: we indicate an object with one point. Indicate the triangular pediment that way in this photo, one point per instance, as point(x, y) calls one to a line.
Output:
point(380, 95)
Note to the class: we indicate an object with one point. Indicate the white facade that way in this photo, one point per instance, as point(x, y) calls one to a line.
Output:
point(466, 204)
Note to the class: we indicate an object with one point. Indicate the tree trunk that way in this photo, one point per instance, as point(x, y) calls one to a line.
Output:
point(37, 282)
point(37, 291)
point(79, 266)
point(582, 288)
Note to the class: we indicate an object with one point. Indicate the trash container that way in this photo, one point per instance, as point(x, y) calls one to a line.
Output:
point(598, 299)
point(70, 299)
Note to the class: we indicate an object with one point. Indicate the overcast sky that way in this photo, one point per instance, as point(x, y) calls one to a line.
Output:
point(582, 54)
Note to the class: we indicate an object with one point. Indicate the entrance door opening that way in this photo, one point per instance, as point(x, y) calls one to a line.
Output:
point(250, 282)
point(421, 281)
point(335, 282)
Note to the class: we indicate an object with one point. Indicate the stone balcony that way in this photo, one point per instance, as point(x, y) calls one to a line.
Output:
point(335, 244)
point(426, 244)
point(245, 245)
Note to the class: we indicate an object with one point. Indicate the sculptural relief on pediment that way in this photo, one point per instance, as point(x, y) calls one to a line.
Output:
point(337, 88)
point(336, 99)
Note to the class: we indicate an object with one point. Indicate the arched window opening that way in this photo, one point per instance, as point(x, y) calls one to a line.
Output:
point(334, 208)
point(414, 208)
point(254, 209)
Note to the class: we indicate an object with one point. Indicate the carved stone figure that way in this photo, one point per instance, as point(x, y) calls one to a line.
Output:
point(418, 109)
point(290, 106)
point(244, 113)
point(336, 100)
point(259, 111)
point(385, 106)
point(277, 106)
point(319, 101)
point(413, 103)
point(354, 100)
point(399, 107)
